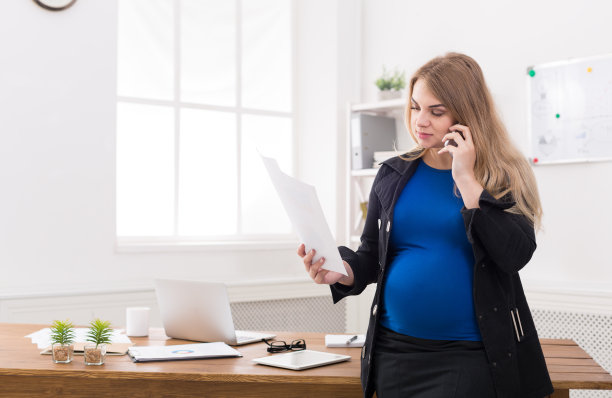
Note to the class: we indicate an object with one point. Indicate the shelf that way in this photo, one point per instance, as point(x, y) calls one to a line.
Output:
point(358, 182)
point(364, 173)
point(380, 106)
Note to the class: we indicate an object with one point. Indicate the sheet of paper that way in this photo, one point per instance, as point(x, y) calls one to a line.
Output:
point(304, 210)
point(42, 337)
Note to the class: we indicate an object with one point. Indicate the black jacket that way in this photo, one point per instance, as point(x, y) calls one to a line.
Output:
point(502, 243)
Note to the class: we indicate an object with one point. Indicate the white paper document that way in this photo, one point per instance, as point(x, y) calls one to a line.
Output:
point(42, 337)
point(182, 351)
point(304, 210)
point(344, 340)
point(118, 346)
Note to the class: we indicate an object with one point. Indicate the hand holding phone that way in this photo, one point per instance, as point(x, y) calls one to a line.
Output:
point(451, 141)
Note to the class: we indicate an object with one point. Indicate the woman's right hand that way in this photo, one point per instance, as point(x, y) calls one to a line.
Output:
point(323, 276)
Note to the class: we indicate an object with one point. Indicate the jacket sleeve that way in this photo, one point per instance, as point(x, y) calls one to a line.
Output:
point(507, 238)
point(363, 262)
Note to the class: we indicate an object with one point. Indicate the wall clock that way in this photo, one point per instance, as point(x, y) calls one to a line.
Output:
point(55, 5)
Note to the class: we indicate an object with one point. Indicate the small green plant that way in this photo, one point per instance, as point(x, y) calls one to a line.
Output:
point(391, 81)
point(100, 332)
point(62, 332)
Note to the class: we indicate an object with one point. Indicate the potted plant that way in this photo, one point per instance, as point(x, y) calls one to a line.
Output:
point(62, 337)
point(390, 84)
point(99, 335)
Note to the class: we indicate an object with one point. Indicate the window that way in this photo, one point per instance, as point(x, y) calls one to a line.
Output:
point(202, 85)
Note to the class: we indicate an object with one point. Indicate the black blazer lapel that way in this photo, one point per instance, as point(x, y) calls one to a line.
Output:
point(390, 186)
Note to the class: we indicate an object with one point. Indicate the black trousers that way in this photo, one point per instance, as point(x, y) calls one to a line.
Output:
point(406, 366)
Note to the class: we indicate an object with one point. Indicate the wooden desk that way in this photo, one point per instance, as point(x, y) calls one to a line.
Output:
point(26, 373)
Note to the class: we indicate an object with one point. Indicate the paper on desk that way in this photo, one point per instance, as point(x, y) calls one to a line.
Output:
point(304, 210)
point(119, 342)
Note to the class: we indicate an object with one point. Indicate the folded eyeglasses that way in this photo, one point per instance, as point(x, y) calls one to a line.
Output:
point(280, 346)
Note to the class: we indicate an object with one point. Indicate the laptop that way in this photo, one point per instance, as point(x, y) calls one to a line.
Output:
point(200, 311)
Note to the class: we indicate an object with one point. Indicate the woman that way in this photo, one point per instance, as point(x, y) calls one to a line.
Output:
point(447, 230)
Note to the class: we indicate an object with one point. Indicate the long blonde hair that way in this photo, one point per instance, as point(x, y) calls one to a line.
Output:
point(457, 81)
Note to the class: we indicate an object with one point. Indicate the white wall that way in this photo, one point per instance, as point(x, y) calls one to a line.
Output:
point(57, 135)
point(505, 38)
point(57, 140)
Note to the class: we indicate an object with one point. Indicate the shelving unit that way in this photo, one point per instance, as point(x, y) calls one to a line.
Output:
point(358, 185)
point(359, 182)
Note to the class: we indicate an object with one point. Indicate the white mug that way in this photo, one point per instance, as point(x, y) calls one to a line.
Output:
point(137, 321)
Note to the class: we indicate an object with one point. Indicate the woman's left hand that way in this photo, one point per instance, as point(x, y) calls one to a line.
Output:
point(464, 154)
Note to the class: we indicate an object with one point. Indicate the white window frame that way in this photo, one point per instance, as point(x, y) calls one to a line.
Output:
point(232, 242)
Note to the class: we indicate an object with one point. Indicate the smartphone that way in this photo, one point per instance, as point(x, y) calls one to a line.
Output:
point(451, 141)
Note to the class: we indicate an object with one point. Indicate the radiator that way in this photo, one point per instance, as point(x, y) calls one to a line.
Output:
point(592, 332)
point(307, 314)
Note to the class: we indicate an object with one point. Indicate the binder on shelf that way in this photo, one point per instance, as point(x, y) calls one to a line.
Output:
point(369, 134)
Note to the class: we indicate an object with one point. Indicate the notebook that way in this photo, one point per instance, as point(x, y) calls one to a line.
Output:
point(299, 360)
point(200, 311)
point(344, 340)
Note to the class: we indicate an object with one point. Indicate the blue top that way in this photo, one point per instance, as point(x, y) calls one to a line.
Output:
point(428, 284)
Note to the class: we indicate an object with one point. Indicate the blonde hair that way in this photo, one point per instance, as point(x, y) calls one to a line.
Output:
point(457, 81)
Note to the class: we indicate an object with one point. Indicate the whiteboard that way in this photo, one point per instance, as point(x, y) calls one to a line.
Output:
point(570, 110)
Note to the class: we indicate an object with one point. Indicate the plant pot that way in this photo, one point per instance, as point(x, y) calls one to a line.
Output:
point(94, 355)
point(389, 94)
point(62, 353)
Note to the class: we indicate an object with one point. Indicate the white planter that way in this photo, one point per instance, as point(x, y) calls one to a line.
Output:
point(390, 94)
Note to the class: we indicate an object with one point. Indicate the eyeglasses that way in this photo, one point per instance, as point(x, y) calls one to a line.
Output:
point(280, 346)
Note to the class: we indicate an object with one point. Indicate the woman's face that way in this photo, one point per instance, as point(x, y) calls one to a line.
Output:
point(430, 119)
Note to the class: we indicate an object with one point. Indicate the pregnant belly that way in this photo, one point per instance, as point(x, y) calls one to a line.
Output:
point(429, 296)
